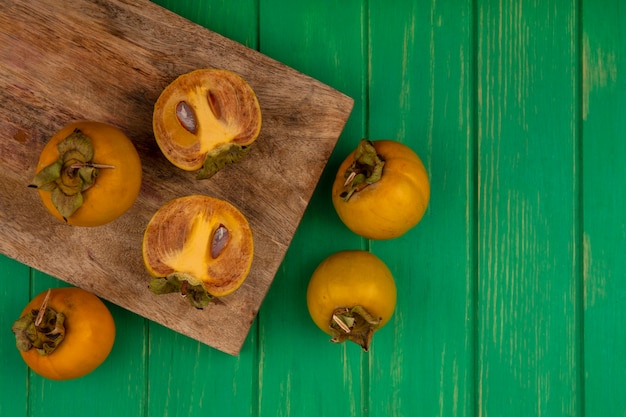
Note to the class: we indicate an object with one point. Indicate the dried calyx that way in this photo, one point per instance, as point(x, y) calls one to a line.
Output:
point(366, 169)
point(221, 156)
point(179, 282)
point(42, 330)
point(70, 175)
point(355, 324)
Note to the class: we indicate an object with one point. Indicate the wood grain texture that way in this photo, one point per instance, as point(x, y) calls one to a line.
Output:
point(15, 294)
point(239, 22)
point(511, 289)
point(529, 320)
point(422, 95)
point(214, 383)
point(604, 219)
point(108, 61)
point(308, 366)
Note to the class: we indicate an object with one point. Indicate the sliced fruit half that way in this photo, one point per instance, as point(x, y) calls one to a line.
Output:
point(199, 246)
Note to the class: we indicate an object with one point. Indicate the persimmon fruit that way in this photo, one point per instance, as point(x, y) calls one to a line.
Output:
point(206, 119)
point(350, 295)
point(64, 333)
point(199, 246)
point(381, 189)
point(88, 174)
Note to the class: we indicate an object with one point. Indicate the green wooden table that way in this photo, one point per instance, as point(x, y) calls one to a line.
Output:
point(512, 290)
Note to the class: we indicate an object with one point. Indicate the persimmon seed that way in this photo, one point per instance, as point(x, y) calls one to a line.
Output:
point(214, 105)
point(219, 241)
point(186, 117)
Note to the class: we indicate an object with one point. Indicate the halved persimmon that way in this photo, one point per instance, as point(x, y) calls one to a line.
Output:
point(206, 119)
point(199, 246)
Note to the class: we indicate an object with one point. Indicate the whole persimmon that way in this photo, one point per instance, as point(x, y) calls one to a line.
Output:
point(198, 246)
point(88, 174)
point(351, 295)
point(381, 189)
point(64, 333)
point(206, 119)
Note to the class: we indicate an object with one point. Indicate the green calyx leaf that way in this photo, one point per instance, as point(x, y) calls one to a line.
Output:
point(178, 282)
point(46, 178)
point(45, 337)
point(70, 175)
point(79, 143)
point(355, 324)
point(66, 204)
point(366, 169)
point(218, 158)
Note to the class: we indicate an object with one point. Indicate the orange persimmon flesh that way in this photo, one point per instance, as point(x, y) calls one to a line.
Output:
point(202, 240)
point(206, 119)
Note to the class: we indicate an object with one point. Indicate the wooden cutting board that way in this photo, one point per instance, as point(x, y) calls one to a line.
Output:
point(108, 60)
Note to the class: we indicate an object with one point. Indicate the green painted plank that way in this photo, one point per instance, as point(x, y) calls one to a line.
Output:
point(604, 167)
point(529, 231)
point(14, 295)
point(237, 21)
point(529, 319)
point(120, 380)
point(421, 95)
point(301, 373)
point(187, 378)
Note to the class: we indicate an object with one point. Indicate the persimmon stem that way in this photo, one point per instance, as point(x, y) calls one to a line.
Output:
point(341, 323)
point(91, 165)
point(42, 309)
point(350, 178)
